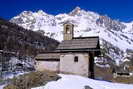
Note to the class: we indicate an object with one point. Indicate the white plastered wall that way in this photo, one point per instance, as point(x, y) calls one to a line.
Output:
point(47, 65)
point(67, 64)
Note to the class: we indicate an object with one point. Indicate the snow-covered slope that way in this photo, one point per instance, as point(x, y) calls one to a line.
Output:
point(78, 82)
point(115, 37)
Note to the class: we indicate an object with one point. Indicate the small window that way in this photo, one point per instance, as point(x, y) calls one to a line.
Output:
point(76, 59)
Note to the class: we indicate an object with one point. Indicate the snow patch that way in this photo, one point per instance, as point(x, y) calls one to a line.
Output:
point(78, 82)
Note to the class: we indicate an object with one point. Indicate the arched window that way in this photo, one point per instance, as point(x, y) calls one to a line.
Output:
point(67, 29)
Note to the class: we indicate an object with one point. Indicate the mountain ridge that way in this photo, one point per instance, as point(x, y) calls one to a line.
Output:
point(115, 37)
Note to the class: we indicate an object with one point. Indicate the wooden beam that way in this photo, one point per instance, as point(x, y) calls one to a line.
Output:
point(91, 65)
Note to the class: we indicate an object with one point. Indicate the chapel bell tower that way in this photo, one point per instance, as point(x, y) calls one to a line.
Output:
point(68, 31)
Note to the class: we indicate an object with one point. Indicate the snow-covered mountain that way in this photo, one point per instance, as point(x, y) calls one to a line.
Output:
point(116, 37)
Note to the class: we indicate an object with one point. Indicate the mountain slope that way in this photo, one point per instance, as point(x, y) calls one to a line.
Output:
point(25, 42)
point(115, 37)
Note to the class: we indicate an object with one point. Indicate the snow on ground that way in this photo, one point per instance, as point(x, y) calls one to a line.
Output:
point(2, 86)
point(78, 82)
point(11, 75)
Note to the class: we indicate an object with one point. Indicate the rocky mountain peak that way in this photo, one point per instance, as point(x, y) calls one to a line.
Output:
point(26, 13)
point(41, 12)
point(75, 11)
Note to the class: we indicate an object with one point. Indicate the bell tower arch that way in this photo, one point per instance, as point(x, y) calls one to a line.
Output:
point(68, 31)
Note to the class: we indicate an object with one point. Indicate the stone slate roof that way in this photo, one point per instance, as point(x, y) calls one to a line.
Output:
point(48, 56)
point(80, 43)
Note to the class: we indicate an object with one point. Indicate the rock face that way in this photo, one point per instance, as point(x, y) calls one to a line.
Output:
point(115, 37)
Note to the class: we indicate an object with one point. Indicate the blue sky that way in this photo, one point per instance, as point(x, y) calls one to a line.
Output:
point(116, 9)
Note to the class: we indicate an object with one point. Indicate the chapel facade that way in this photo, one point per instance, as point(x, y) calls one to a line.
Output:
point(74, 55)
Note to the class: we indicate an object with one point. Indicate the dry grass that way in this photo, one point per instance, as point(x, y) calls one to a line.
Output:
point(106, 74)
point(127, 80)
point(33, 79)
